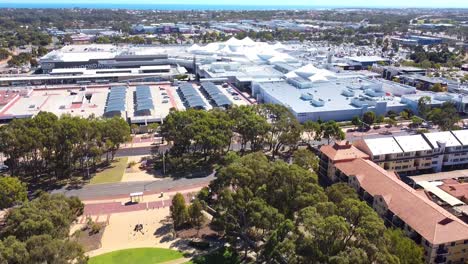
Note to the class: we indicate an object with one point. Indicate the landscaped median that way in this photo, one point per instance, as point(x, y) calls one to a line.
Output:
point(113, 173)
point(137, 255)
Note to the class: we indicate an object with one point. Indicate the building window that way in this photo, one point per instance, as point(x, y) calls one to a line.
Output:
point(465, 242)
point(377, 157)
point(452, 244)
point(434, 162)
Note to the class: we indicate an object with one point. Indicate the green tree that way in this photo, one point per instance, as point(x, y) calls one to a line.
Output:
point(369, 118)
point(153, 127)
point(195, 214)
point(404, 115)
point(380, 119)
point(446, 117)
point(311, 129)
point(4, 54)
point(403, 247)
point(416, 121)
point(251, 127)
point(437, 88)
point(390, 122)
point(356, 121)
point(306, 159)
point(332, 131)
point(46, 249)
point(12, 192)
point(423, 106)
point(46, 215)
point(339, 192)
point(285, 130)
point(179, 212)
point(13, 251)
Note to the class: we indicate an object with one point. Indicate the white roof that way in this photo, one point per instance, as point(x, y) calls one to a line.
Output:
point(312, 73)
point(445, 137)
point(413, 143)
point(462, 136)
point(434, 189)
point(382, 146)
point(366, 58)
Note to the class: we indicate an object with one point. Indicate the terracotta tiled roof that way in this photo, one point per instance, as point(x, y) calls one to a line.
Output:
point(430, 220)
point(342, 151)
point(456, 189)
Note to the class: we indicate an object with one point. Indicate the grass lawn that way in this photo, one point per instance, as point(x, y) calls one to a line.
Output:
point(137, 255)
point(113, 173)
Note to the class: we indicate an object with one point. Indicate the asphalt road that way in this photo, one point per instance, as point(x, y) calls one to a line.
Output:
point(108, 190)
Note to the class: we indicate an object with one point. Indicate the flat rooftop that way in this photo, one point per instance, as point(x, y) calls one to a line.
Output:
point(330, 92)
point(412, 143)
point(366, 58)
point(462, 136)
point(383, 146)
point(59, 102)
point(445, 137)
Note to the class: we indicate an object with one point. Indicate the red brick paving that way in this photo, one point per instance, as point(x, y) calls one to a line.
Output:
point(117, 207)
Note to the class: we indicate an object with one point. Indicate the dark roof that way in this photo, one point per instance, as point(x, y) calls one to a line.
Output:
point(144, 100)
point(116, 99)
point(191, 96)
point(215, 94)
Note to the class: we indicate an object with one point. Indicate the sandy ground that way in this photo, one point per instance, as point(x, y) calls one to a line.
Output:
point(135, 174)
point(119, 233)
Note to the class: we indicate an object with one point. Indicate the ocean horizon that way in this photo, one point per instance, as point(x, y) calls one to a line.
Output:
point(167, 7)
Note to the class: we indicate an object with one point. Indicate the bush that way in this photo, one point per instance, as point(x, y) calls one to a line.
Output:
point(95, 228)
point(131, 164)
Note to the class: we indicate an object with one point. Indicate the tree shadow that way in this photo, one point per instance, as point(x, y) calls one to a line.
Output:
point(181, 245)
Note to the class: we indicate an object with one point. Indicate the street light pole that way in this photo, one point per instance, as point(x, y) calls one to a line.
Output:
point(164, 163)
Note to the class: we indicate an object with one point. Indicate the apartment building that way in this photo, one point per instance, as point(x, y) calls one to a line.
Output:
point(424, 153)
point(443, 236)
point(341, 151)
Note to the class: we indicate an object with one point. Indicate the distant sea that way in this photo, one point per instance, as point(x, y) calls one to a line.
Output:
point(157, 6)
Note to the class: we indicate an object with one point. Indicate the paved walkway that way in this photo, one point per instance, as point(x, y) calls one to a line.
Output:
point(107, 208)
point(177, 261)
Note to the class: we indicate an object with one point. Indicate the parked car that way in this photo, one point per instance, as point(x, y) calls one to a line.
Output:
point(3, 167)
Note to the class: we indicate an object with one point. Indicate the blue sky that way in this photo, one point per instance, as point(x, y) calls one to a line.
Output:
point(358, 3)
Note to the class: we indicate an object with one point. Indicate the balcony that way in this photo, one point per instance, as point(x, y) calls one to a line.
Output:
point(442, 251)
